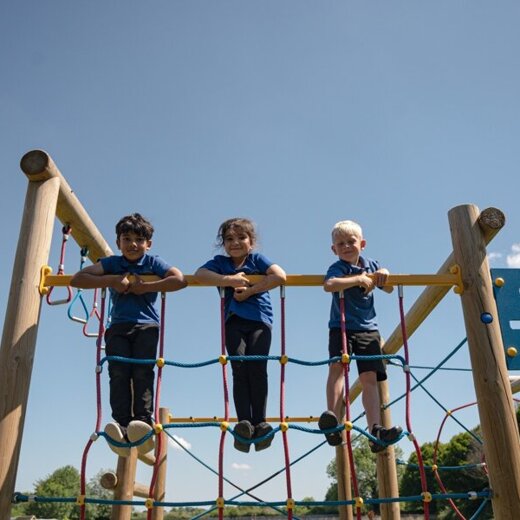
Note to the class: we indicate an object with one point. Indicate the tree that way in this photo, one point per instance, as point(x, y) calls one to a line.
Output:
point(64, 482)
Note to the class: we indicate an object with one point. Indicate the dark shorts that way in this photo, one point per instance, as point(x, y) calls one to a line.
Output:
point(360, 343)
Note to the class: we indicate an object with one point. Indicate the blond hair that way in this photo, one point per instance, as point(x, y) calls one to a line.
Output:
point(346, 226)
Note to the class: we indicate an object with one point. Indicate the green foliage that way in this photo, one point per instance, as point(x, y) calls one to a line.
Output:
point(366, 473)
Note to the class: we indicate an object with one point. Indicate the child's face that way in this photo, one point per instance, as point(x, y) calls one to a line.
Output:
point(237, 244)
point(348, 247)
point(133, 246)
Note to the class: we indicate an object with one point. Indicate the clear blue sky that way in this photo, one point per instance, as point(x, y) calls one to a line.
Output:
point(296, 114)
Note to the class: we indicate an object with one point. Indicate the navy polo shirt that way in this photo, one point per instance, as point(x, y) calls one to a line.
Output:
point(134, 308)
point(258, 306)
point(360, 313)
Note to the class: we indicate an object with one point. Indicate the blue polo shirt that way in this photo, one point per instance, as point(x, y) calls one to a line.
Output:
point(360, 313)
point(134, 308)
point(258, 306)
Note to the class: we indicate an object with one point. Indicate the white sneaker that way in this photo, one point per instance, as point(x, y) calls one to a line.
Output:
point(113, 430)
point(136, 431)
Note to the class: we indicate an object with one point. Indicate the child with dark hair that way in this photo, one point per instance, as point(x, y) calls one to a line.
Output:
point(134, 327)
point(248, 322)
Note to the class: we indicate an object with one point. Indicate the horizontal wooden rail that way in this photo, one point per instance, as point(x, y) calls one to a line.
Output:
point(293, 280)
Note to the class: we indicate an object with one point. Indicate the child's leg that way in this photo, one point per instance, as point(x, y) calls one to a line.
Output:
point(335, 386)
point(144, 346)
point(236, 346)
point(258, 343)
point(118, 344)
point(370, 398)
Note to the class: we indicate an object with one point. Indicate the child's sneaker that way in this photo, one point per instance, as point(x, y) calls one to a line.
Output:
point(116, 433)
point(136, 431)
point(261, 430)
point(388, 436)
point(245, 430)
point(327, 421)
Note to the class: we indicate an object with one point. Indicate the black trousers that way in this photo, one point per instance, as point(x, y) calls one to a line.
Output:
point(131, 384)
point(249, 338)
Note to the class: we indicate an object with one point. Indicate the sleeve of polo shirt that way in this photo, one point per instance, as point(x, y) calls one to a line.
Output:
point(263, 263)
point(160, 266)
point(213, 265)
point(107, 264)
point(338, 270)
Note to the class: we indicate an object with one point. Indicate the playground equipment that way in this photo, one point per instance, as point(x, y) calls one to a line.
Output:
point(49, 195)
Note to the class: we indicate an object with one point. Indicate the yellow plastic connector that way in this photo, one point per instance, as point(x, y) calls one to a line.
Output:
point(222, 359)
point(459, 286)
point(284, 426)
point(148, 503)
point(45, 271)
point(500, 282)
point(512, 352)
point(426, 496)
point(359, 501)
point(80, 500)
point(290, 504)
point(158, 428)
point(345, 359)
point(224, 425)
point(284, 359)
point(220, 502)
point(348, 426)
point(435, 467)
point(160, 362)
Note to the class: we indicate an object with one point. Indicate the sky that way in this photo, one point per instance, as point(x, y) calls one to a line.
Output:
point(296, 114)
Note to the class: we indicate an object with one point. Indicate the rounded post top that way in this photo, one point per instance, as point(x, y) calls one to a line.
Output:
point(36, 164)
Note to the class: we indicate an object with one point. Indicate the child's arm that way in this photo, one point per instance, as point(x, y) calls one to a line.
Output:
point(94, 276)
point(173, 280)
point(274, 277)
point(368, 283)
point(337, 284)
point(204, 275)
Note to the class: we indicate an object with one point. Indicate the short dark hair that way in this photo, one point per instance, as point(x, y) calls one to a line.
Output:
point(135, 223)
point(239, 224)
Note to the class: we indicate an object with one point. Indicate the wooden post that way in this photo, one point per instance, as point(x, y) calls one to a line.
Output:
point(124, 489)
point(344, 482)
point(160, 483)
point(490, 377)
point(386, 467)
point(21, 327)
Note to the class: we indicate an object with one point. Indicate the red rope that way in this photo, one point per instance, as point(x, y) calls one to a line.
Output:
point(226, 402)
point(420, 462)
point(285, 437)
point(158, 443)
point(346, 367)
point(99, 343)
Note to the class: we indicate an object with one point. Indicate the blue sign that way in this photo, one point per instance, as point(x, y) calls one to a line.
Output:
point(506, 288)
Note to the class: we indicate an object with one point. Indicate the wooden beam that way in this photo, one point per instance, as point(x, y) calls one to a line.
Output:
point(38, 166)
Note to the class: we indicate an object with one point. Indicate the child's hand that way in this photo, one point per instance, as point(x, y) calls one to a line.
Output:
point(380, 277)
point(237, 280)
point(366, 283)
point(241, 293)
point(121, 283)
point(137, 286)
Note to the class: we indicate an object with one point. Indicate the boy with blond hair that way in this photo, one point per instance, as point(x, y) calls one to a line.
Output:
point(351, 275)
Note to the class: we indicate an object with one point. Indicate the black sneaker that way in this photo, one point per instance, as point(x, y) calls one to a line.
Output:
point(261, 430)
point(386, 436)
point(245, 430)
point(328, 421)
